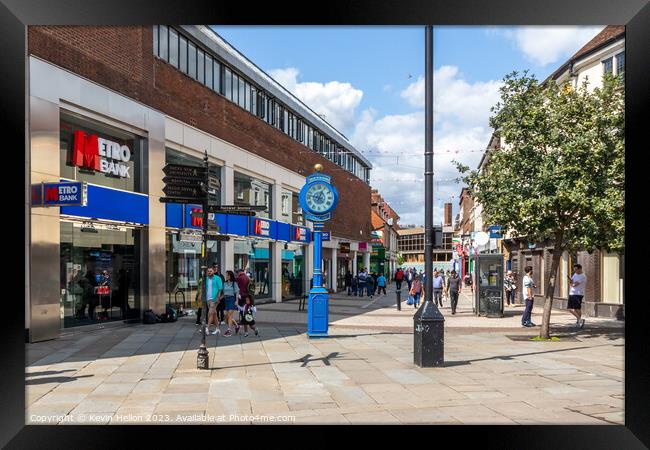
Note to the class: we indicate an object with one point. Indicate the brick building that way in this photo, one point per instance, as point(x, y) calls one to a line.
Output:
point(155, 95)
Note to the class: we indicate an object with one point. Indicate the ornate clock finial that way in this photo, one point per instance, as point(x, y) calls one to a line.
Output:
point(318, 167)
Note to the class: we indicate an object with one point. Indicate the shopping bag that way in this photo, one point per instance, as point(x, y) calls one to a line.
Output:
point(410, 300)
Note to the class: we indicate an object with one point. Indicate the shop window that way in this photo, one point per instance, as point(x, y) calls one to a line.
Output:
point(293, 271)
point(254, 258)
point(117, 153)
point(99, 272)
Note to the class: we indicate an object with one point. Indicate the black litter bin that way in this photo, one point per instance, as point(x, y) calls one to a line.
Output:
point(428, 336)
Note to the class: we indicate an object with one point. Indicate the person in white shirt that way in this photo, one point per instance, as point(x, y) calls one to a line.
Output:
point(576, 294)
point(528, 294)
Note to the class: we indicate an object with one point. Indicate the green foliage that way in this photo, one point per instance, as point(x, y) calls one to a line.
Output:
point(560, 174)
point(400, 260)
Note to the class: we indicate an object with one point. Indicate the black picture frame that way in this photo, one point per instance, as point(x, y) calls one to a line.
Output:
point(16, 15)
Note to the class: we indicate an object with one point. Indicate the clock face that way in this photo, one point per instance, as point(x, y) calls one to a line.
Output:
point(319, 198)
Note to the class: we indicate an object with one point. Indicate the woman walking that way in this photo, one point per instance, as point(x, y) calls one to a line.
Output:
point(510, 286)
point(416, 291)
point(231, 295)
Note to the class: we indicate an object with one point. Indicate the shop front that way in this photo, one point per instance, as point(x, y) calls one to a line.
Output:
point(100, 244)
point(343, 264)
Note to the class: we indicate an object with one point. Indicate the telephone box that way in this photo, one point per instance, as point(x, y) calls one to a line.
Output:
point(488, 285)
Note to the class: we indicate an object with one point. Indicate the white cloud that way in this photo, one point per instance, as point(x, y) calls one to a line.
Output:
point(544, 45)
point(336, 100)
point(461, 112)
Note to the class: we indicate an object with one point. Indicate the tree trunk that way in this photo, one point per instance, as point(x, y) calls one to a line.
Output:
point(550, 288)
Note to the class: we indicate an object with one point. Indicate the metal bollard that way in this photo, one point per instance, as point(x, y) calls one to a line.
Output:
point(428, 336)
point(399, 299)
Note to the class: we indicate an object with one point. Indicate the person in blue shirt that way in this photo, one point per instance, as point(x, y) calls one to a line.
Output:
point(214, 290)
point(381, 284)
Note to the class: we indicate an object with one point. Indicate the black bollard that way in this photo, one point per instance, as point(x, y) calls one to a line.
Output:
point(428, 336)
point(399, 299)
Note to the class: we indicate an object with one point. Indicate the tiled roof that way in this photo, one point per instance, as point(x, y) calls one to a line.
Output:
point(610, 33)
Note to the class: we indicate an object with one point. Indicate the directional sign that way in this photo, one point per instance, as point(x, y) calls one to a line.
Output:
point(213, 182)
point(183, 191)
point(235, 208)
point(180, 181)
point(178, 170)
point(177, 199)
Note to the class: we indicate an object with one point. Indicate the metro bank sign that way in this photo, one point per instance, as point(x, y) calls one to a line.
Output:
point(100, 155)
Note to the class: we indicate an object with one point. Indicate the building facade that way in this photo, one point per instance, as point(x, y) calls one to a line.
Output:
point(411, 247)
point(604, 294)
point(110, 106)
point(384, 240)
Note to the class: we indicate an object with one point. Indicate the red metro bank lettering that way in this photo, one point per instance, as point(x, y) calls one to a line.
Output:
point(262, 227)
point(197, 221)
point(300, 234)
point(101, 155)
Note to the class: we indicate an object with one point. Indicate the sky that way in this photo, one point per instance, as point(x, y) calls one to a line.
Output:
point(368, 81)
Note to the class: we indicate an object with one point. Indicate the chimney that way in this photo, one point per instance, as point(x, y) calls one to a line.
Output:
point(447, 215)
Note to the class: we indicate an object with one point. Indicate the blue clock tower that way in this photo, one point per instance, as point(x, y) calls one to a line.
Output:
point(318, 198)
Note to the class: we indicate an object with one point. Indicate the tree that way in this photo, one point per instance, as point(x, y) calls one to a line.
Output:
point(560, 174)
point(400, 260)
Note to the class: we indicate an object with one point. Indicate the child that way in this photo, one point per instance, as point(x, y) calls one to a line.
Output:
point(248, 315)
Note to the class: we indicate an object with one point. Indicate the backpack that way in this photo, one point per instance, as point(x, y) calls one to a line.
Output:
point(399, 276)
point(172, 315)
point(251, 287)
point(248, 315)
point(149, 317)
point(362, 277)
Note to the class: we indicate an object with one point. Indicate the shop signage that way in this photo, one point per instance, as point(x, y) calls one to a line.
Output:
point(363, 246)
point(60, 194)
point(189, 236)
point(236, 209)
point(344, 247)
point(100, 155)
point(262, 227)
point(299, 234)
point(88, 227)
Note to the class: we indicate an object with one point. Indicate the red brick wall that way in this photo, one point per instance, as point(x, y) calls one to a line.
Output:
point(121, 58)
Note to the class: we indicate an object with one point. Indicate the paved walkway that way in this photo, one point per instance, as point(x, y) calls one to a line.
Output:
point(363, 373)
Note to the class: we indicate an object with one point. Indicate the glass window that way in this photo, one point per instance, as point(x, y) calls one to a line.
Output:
point(261, 105)
point(182, 58)
point(296, 211)
point(242, 93)
point(607, 65)
point(276, 114)
point(620, 63)
point(247, 96)
point(217, 76)
point(208, 71)
point(99, 273)
point(162, 42)
point(155, 40)
point(173, 47)
point(251, 191)
point(228, 84)
point(235, 88)
point(253, 106)
point(200, 70)
point(191, 60)
point(119, 153)
point(253, 256)
point(285, 120)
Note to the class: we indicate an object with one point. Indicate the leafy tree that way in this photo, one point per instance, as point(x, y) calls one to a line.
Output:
point(400, 260)
point(560, 174)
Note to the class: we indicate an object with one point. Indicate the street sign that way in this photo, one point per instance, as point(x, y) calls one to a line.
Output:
point(213, 182)
point(178, 199)
point(60, 194)
point(183, 191)
point(179, 170)
point(234, 209)
point(180, 181)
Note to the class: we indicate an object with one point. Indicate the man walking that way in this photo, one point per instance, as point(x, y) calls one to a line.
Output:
point(221, 306)
point(381, 284)
point(454, 288)
point(362, 281)
point(576, 294)
point(348, 282)
point(438, 286)
point(214, 289)
point(528, 294)
point(510, 286)
point(409, 278)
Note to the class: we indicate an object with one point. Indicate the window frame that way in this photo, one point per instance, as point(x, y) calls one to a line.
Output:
point(605, 62)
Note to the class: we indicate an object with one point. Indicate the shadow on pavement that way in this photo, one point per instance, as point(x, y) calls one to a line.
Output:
point(509, 357)
point(54, 380)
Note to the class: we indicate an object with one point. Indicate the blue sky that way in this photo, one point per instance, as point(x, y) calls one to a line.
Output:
point(368, 83)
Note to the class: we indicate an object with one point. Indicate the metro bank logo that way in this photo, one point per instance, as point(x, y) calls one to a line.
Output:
point(299, 234)
point(197, 221)
point(94, 153)
point(262, 227)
